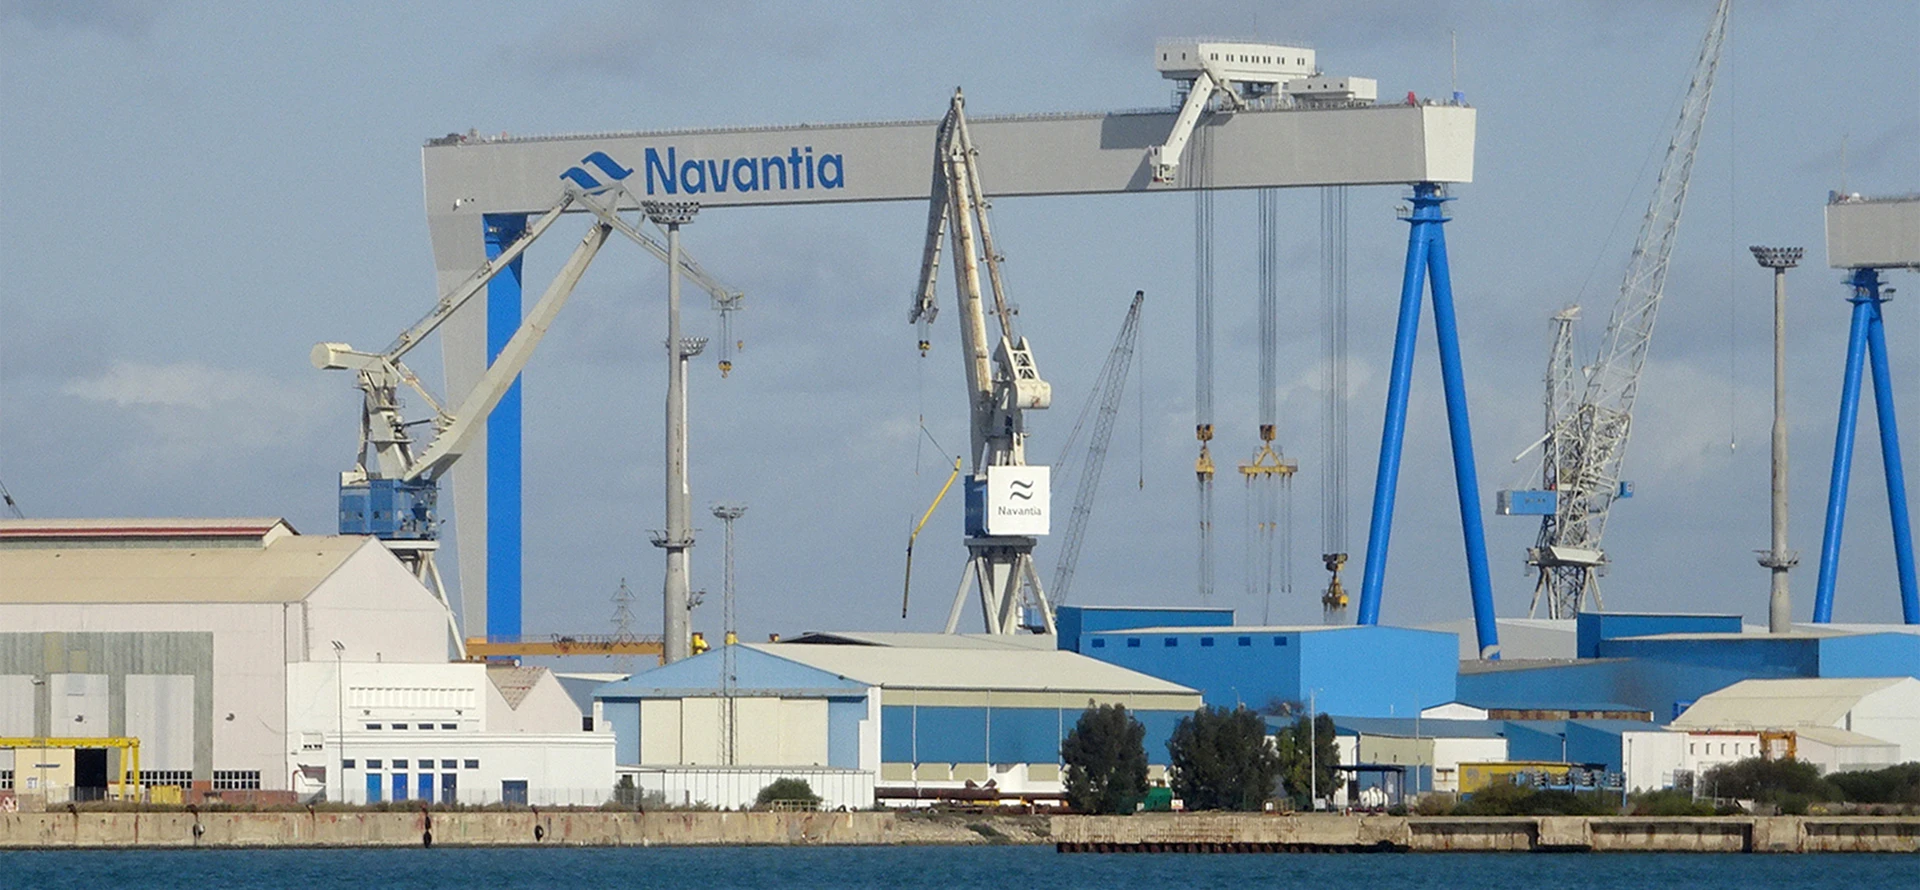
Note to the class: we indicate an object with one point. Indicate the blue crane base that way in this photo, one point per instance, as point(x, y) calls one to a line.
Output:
point(1866, 339)
point(1427, 261)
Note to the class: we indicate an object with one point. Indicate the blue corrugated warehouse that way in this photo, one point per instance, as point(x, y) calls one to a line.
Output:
point(1365, 671)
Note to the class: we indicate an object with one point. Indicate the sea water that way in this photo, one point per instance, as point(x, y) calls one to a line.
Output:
point(900, 868)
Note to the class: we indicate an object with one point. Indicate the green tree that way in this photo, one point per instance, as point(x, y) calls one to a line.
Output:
point(1223, 760)
point(787, 793)
point(1669, 802)
point(1299, 762)
point(1894, 784)
point(1106, 759)
point(1510, 799)
point(1784, 781)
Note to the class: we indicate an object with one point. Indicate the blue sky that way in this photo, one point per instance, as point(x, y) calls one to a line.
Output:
point(191, 195)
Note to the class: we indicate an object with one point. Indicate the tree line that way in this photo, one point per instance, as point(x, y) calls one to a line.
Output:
point(1218, 759)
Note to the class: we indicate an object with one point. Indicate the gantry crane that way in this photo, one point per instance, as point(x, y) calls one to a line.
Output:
point(1588, 441)
point(392, 491)
point(1007, 499)
point(1104, 401)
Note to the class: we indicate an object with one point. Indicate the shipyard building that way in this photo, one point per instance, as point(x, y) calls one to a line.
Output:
point(253, 662)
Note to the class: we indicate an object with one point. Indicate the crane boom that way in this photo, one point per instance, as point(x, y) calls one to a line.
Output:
point(1109, 386)
point(392, 492)
point(1592, 436)
point(1003, 383)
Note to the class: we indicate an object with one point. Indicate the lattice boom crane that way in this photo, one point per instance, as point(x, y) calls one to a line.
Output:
point(1590, 440)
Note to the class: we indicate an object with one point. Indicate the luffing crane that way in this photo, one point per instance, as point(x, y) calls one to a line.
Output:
point(1007, 499)
point(1108, 387)
point(1587, 443)
point(392, 492)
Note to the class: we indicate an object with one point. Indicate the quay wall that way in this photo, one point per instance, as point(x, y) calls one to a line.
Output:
point(1150, 832)
point(1225, 832)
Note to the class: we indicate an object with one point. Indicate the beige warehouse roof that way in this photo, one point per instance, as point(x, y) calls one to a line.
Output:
point(286, 570)
point(253, 526)
point(997, 669)
point(1840, 738)
point(928, 640)
point(1771, 704)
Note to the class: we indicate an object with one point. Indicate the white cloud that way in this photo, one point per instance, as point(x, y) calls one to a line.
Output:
point(185, 412)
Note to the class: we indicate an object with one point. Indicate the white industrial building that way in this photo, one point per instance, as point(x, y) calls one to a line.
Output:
point(1833, 723)
point(865, 716)
point(250, 660)
point(1431, 748)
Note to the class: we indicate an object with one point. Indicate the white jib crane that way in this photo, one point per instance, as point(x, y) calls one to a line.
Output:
point(1590, 439)
point(392, 490)
point(1007, 499)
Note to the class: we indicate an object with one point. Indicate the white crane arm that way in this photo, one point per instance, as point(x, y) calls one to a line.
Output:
point(688, 266)
point(1165, 157)
point(456, 430)
point(926, 303)
point(451, 301)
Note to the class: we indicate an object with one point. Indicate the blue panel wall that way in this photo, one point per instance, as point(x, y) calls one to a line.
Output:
point(1367, 671)
point(1737, 658)
point(1379, 671)
point(896, 734)
point(1072, 622)
point(1229, 666)
point(1026, 735)
point(1595, 742)
point(843, 731)
point(1592, 627)
point(949, 735)
point(1870, 655)
point(503, 438)
point(910, 734)
point(1659, 680)
point(1536, 740)
point(623, 717)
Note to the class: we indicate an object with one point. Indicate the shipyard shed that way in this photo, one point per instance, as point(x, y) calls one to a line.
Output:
point(1362, 671)
point(1861, 723)
point(253, 662)
point(898, 717)
point(1664, 663)
point(1430, 749)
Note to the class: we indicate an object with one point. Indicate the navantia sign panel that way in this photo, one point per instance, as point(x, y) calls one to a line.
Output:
point(1019, 500)
point(1055, 155)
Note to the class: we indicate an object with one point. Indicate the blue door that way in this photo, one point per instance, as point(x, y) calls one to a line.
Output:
point(423, 790)
point(373, 787)
point(513, 791)
point(449, 788)
point(399, 786)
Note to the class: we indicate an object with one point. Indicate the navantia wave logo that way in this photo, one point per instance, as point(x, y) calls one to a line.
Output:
point(668, 173)
point(1020, 489)
point(607, 166)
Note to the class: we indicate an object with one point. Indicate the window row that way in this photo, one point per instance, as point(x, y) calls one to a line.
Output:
point(377, 726)
point(236, 780)
point(1174, 642)
point(401, 763)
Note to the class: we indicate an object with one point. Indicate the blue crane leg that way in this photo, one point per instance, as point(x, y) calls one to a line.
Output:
point(1890, 454)
point(503, 439)
point(1842, 462)
point(1466, 478)
point(1399, 383)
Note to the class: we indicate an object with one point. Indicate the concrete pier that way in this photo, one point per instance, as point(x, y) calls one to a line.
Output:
point(1144, 833)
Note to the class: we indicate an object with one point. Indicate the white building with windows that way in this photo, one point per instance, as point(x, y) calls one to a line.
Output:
point(253, 661)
